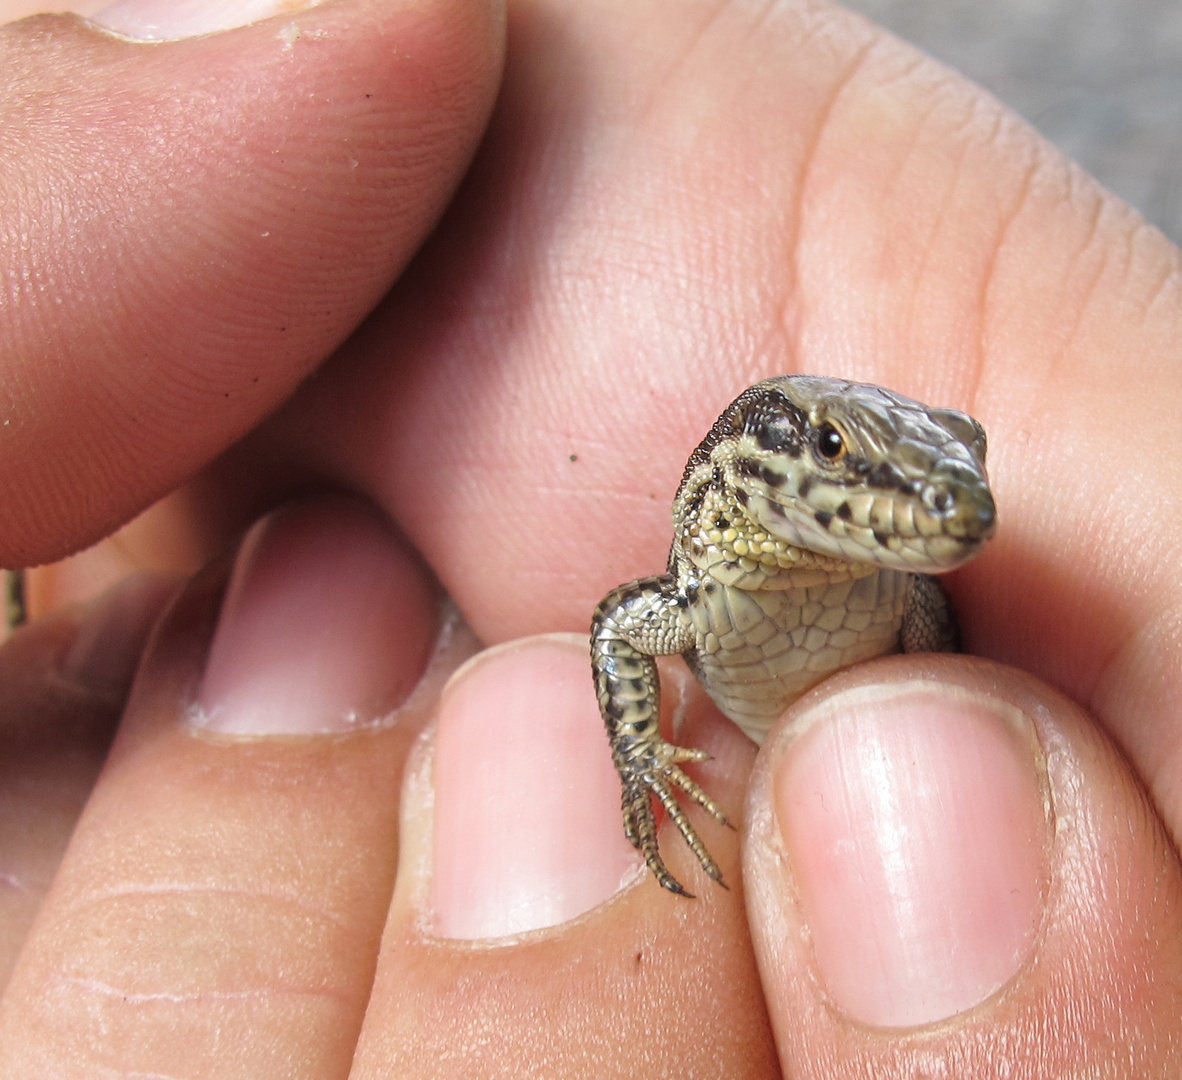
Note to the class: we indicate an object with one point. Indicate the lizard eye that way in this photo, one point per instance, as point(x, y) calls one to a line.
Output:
point(830, 444)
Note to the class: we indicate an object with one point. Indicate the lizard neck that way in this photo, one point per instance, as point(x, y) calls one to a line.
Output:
point(714, 536)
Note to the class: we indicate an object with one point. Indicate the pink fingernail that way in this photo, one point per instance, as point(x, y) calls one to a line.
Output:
point(326, 625)
point(527, 803)
point(917, 828)
point(168, 20)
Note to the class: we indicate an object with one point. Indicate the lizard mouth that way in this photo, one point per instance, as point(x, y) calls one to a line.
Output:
point(929, 532)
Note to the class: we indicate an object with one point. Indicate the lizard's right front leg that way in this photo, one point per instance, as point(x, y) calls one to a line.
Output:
point(634, 623)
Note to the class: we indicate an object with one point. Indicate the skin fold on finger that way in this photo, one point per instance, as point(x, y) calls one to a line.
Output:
point(668, 208)
point(218, 909)
point(639, 983)
point(1094, 987)
point(193, 225)
point(63, 684)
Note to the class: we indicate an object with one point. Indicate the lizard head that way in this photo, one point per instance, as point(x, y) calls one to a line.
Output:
point(854, 472)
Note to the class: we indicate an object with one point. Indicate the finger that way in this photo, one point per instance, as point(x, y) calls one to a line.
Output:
point(218, 910)
point(525, 935)
point(63, 684)
point(177, 535)
point(195, 223)
point(776, 189)
point(946, 862)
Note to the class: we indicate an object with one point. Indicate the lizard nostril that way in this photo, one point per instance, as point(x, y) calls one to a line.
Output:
point(970, 513)
point(986, 515)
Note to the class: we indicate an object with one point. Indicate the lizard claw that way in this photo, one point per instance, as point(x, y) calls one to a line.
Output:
point(650, 769)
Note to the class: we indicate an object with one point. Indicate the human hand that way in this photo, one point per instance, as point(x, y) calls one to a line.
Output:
point(870, 216)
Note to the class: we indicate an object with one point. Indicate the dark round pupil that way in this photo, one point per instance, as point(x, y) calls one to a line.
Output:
point(829, 441)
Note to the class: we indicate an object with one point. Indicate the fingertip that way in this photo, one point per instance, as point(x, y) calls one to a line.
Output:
point(202, 222)
point(915, 824)
point(526, 829)
point(931, 846)
point(261, 843)
point(511, 842)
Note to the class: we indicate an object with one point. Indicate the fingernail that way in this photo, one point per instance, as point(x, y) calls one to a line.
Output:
point(527, 830)
point(326, 626)
point(169, 20)
point(917, 830)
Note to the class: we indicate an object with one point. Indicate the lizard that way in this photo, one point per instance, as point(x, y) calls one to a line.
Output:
point(807, 528)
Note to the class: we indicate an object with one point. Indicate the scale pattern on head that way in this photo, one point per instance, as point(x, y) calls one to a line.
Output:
point(802, 470)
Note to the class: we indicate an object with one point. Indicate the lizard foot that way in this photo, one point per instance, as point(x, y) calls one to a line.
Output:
point(649, 768)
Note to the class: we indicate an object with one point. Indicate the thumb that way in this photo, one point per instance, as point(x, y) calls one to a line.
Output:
point(951, 871)
point(187, 227)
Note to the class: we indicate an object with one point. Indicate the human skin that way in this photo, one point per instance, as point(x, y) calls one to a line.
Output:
point(670, 202)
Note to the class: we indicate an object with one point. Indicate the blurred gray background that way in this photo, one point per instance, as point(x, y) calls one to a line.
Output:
point(1100, 78)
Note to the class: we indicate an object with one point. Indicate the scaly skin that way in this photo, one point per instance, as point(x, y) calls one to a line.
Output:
point(804, 530)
